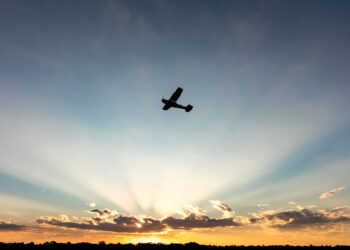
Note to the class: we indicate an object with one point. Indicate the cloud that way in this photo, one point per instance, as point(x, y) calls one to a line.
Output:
point(190, 209)
point(193, 209)
point(293, 203)
point(304, 218)
point(227, 211)
point(198, 221)
point(110, 220)
point(331, 193)
point(91, 204)
point(117, 223)
point(194, 217)
point(311, 207)
point(103, 212)
point(8, 226)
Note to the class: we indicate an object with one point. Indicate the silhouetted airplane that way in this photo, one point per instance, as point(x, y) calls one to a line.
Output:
point(171, 103)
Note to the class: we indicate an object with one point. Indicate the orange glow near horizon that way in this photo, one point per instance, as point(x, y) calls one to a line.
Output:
point(153, 240)
point(222, 236)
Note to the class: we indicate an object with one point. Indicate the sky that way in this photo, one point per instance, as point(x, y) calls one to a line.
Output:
point(88, 154)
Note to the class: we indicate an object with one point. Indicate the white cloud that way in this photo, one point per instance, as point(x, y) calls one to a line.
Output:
point(91, 204)
point(225, 209)
point(331, 193)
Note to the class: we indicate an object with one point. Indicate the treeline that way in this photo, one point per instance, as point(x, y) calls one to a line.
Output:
point(145, 246)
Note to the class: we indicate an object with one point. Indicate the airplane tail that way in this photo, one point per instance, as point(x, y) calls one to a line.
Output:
point(189, 108)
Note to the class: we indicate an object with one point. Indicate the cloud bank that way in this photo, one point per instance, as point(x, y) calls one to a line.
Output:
point(9, 226)
point(109, 220)
point(305, 218)
point(113, 223)
point(193, 221)
point(193, 217)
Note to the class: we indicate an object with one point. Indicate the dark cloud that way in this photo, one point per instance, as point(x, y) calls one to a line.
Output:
point(102, 212)
point(121, 224)
point(301, 219)
point(198, 221)
point(8, 226)
point(132, 224)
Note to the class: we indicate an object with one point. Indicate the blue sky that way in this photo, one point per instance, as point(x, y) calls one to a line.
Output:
point(81, 84)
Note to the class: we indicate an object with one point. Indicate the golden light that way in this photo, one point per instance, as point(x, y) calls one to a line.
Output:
point(153, 240)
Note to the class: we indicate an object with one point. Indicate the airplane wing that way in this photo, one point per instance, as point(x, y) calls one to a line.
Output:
point(166, 107)
point(176, 94)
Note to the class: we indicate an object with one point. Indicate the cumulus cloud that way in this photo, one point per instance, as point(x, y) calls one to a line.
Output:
point(331, 193)
point(9, 226)
point(301, 219)
point(194, 217)
point(115, 223)
point(226, 210)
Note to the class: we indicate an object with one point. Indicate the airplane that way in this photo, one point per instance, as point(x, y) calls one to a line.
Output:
point(171, 103)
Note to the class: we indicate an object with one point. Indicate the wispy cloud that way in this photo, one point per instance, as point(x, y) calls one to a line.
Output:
point(331, 193)
point(9, 226)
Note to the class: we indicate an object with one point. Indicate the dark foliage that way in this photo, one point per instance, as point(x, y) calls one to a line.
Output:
point(143, 246)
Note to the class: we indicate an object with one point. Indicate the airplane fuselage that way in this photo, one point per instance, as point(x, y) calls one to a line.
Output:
point(172, 104)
